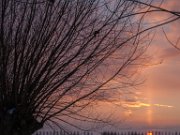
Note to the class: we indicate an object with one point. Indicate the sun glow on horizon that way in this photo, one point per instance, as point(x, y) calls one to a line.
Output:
point(149, 133)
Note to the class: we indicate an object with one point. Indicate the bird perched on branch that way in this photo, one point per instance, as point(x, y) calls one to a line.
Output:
point(96, 32)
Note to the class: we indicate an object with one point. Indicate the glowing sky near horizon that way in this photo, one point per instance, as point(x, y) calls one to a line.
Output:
point(156, 101)
point(160, 94)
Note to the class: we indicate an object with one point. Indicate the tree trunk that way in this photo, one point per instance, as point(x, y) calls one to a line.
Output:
point(15, 124)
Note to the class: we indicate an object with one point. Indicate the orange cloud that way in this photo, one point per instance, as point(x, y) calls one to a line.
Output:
point(140, 104)
point(159, 105)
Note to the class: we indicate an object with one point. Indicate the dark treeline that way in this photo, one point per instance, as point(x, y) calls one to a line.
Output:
point(142, 133)
point(108, 133)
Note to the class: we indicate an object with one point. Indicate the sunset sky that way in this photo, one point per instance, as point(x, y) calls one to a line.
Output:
point(155, 103)
point(158, 99)
point(90, 65)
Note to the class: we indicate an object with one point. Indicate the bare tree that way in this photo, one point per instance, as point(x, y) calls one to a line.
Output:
point(57, 57)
